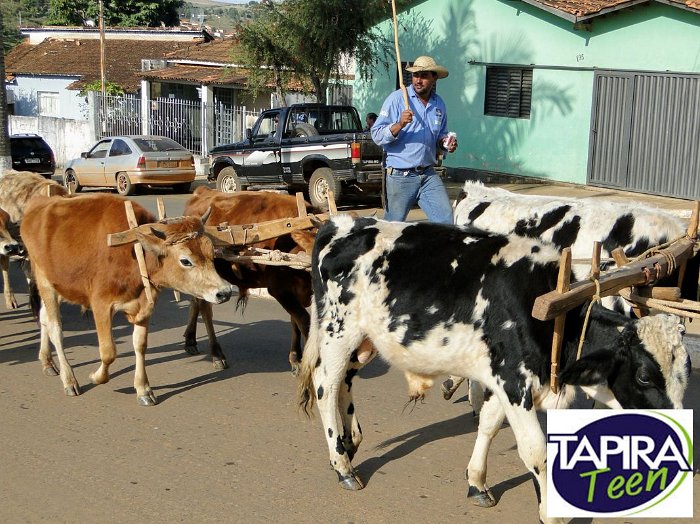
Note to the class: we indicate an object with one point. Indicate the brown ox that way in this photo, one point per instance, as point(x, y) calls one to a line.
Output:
point(9, 246)
point(16, 189)
point(67, 244)
point(290, 287)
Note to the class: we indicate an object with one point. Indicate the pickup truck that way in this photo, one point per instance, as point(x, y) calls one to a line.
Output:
point(310, 147)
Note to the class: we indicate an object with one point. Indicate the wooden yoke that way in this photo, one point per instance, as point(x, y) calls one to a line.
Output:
point(563, 282)
point(638, 273)
point(245, 234)
point(138, 249)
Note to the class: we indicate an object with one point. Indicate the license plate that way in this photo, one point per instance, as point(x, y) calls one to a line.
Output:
point(32, 160)
point(167, 163)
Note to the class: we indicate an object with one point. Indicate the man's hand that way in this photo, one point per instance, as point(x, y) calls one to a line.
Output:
point(406, 118)
point(453, 146)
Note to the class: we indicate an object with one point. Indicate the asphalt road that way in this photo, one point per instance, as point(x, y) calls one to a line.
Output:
point(229, 446)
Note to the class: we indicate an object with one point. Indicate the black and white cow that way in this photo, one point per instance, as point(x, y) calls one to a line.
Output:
point(436, 299)
point(569, 222)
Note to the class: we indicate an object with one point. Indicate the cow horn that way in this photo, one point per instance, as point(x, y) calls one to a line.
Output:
point(158, 233)
point(206, 214)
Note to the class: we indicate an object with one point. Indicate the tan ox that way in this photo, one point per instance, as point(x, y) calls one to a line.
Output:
point(67, 244)
point(9, 246)
point(16, 189)
point(290, 287)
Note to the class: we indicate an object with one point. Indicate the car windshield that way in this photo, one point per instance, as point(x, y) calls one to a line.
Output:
point(157, 144)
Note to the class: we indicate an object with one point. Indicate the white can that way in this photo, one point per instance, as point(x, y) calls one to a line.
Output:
point(450, 139)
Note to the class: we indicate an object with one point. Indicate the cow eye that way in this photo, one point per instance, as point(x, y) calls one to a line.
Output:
point(643, 377)
point(186, 262)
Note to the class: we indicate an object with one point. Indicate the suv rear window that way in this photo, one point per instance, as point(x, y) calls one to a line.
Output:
point(25, 144)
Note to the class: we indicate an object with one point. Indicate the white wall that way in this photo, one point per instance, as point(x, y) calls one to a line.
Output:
point(67, 138)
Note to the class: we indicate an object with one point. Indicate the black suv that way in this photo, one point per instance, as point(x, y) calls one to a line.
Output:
point(31, 153)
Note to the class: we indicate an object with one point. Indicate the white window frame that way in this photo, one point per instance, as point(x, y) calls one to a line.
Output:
point(47, 103)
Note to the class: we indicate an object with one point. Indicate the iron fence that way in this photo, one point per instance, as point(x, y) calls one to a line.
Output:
point(181, 120)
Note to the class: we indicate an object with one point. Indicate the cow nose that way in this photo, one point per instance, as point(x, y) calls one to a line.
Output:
point(12, 249)
point(223, 295)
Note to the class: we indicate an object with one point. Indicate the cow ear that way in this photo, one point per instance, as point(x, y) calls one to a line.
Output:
point(151, 239)
point(590, 370)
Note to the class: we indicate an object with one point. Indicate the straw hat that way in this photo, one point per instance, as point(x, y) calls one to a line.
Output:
point(426, 63)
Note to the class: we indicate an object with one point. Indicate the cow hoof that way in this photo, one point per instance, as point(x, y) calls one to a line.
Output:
point(51, 371)
point(351, 482)
point(191, 348)
point(447, 390)
point(481, 498)
point(12, 304)
point(296, 367)
point(219, 364)
point(72, 391)
point(149, 399)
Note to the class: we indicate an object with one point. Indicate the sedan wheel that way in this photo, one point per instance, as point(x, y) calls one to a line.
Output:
point(124, 185)
point(70, 181)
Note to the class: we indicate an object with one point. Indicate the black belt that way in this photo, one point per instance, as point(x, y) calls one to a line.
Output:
point(418, 170)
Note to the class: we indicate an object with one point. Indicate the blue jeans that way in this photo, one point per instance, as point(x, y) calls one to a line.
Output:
point(405, 188)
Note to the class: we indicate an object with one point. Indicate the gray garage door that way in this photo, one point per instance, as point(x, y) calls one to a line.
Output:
point(645, 133)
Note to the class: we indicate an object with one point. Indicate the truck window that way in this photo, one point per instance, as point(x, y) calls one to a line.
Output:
point(266, 127)
point(328, 120)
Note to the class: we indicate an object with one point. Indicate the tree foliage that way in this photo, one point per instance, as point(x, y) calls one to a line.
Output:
point(26, 12)
point(125, 13)
point(311, 40)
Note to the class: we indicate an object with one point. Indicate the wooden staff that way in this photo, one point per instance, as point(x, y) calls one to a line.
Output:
point(398, 55)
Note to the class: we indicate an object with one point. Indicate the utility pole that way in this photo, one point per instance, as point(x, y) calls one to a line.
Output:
point(102, 70)
point(102, 49)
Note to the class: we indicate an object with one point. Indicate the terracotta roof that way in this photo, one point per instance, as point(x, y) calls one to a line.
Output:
point(199, 74)
point(81, 58)
point(589, 8)
point(217, 51)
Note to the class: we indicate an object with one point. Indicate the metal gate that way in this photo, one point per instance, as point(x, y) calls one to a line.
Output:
point(644, 131)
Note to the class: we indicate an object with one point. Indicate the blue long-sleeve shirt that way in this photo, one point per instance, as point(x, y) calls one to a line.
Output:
point(416, 144)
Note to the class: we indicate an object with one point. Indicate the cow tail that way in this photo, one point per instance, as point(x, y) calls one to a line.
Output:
point(34, 298)
point(309, 362)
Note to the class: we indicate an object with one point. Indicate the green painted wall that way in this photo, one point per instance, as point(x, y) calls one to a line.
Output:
point(553, 142)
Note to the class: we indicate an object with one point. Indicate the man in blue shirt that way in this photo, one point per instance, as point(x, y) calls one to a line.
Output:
point(410, 137)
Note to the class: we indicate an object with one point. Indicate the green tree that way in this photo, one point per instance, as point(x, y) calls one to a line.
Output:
point(24, 12)
point(309, 39)
point(125, 13)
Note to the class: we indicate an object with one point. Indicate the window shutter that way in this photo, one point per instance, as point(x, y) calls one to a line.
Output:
point(508, 92)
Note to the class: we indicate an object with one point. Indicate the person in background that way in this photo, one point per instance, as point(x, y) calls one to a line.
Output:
point(370, 119)
point(410, 138)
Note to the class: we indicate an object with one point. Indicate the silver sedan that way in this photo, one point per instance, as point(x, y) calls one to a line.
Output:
point(125, 162)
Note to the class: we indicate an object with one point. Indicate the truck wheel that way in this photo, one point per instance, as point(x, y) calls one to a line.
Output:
point(303, 129)
point(321, 181)
point(228, 182)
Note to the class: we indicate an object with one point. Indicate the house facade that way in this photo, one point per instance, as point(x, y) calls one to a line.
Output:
point(46, 73)
point(598, 92)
